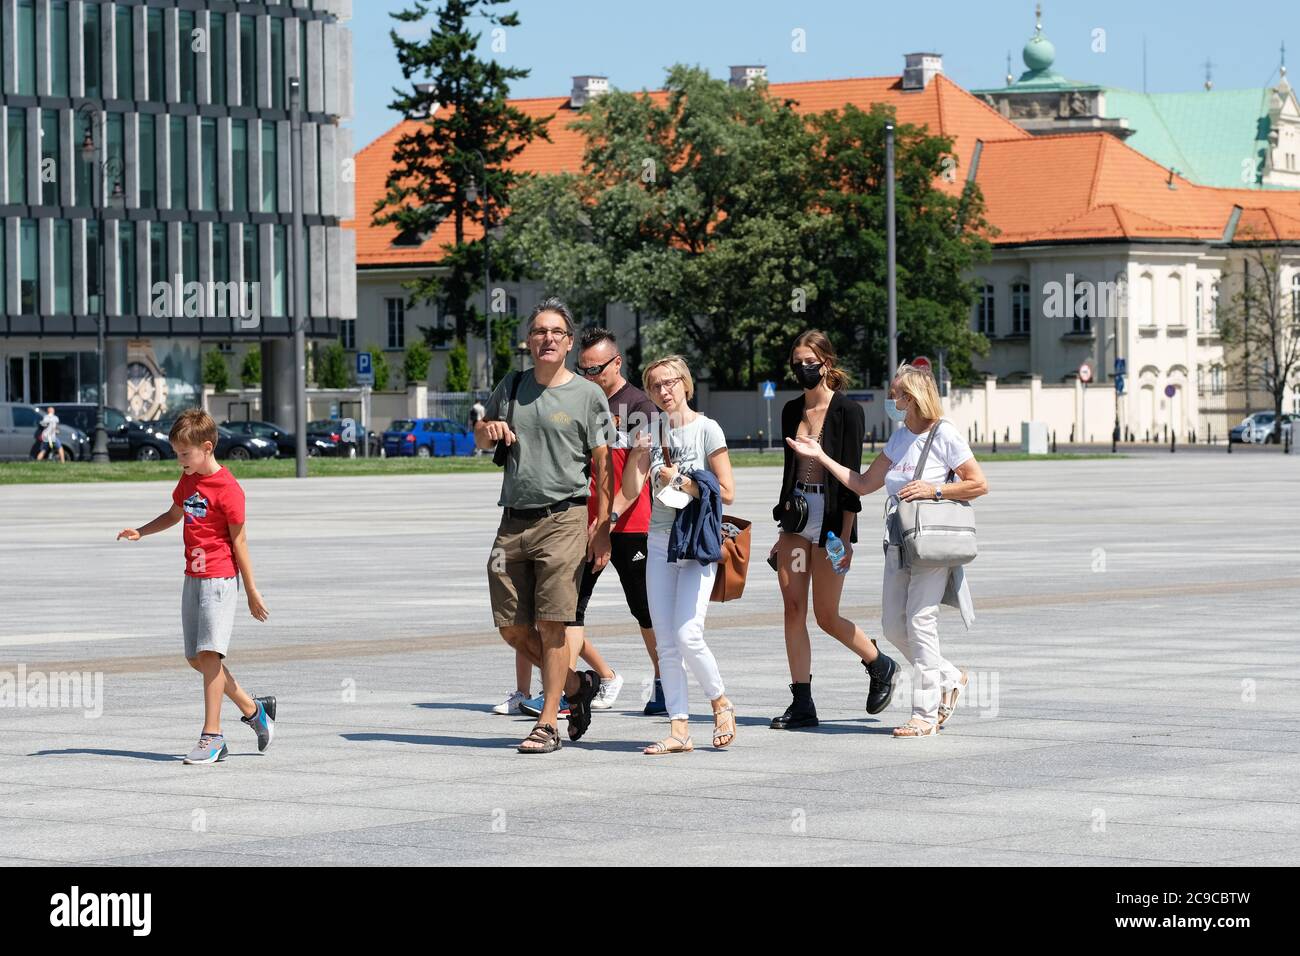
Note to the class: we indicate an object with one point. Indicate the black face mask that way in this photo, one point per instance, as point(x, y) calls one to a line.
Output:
point(808, 376)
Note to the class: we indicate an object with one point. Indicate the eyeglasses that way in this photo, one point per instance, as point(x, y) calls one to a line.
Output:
point(667, 385)
point(591, 371)
point(542, 334)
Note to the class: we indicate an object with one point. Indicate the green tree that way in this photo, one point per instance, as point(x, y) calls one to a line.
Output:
point(215, 370)
point(457, 368)
point(434, 164)
point(332, 367)
point(250, 371)
point(379, 363)
point(415, 363)
point(738, 223)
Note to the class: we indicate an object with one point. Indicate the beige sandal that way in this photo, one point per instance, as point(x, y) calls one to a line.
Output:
point(945, 710)
point(718, 732)
point(661, 747)
point(915, 728)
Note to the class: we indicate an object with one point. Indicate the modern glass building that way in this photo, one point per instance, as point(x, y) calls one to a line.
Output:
point(189, 101)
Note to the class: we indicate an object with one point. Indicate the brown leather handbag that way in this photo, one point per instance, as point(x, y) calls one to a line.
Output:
point(729, 580)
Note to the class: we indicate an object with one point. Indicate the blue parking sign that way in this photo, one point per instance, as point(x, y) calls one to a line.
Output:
point(365, 370)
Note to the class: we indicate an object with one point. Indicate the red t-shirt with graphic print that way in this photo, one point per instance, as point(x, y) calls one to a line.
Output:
point(211, 504)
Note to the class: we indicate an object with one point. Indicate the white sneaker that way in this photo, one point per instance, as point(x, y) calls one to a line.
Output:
point(510, 706)
point(608, 693)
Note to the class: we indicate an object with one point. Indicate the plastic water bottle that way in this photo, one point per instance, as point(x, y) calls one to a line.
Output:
point(835, 551)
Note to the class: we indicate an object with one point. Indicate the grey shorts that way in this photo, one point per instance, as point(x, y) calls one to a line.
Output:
point(208, 614)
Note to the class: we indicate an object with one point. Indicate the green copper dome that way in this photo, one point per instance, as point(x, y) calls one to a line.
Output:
point(1039, 53)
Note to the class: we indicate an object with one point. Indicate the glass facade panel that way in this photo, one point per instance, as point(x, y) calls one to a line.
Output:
point(277, 63)
point(247, 61)
point(25, 44)
point(59, 47)
point(91, 61)
point(63, 267)
point(123, 35)
point(269, 166)
point(28, 266)
point(126, 299)
point(217, 57)
point(179, 165)
point(92, 266)
point(148, 161)
point(157, 254)
point(239, 165)
point(17, 146)
point(208, 143)
point(49, 157)
point(154, 24)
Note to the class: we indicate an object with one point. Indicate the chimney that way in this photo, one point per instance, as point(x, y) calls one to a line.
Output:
point(587, 88)
point(743, 77)
point(920, 68)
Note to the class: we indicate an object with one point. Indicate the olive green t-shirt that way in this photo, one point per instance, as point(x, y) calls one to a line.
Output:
point(555, 430)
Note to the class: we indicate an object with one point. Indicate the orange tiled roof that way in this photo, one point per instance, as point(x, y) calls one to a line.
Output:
point(943, 106)
point(1085, 186)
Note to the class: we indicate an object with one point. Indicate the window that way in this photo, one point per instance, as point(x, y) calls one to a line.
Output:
point(92, 266)
point(217, 57)
point(91, 62)
point(1295, 298)
point(252, 264)
point(25, 42)
point(49, 157)
point(186, 55)
point(126, 300)
point(114, 149)
point(396, 323)
point(4, 299)
point(278, 285)
point(59, 47)
point(189, 253)
point(269, 167)
point(220, 252)
point(62, 267)
point(208, 154)
point(239, 165)
point(1084, 304)
point(984, 311)
point(123, 36)
point(17, 155)
point(1020, 308)
point(348, 333)
point(154, 55)
point(157, 255)
point(28, 266)
point(247, 61)
point(277, 63)
point(1213, 322)
point(180, 181)
point(1199, 298)
point(148, 160)
point(1216, 380)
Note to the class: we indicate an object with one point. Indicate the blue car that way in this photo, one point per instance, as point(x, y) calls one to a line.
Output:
point(427, 437)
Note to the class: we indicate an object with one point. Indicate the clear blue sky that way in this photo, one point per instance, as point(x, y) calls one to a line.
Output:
point(632, 41)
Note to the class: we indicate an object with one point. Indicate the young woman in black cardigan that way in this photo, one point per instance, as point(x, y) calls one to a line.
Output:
point(822, 411)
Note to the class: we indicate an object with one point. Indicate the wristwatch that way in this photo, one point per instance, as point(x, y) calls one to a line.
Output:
point(938, 492)
point(613, 518)
point(678, 480)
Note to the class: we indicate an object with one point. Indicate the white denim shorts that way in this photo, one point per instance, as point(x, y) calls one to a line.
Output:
point(816, 495)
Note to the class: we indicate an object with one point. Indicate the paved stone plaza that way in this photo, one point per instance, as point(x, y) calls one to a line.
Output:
point(1135, 663)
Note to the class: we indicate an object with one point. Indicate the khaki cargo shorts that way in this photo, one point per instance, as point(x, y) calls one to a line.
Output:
point(535, 568)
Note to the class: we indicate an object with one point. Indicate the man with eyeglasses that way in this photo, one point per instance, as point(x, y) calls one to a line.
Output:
point(555, 431)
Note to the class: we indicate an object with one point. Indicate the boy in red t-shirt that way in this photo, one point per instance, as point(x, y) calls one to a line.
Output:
point(212, 505)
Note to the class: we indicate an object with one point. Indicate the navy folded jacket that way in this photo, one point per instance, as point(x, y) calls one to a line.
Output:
point(697, 529)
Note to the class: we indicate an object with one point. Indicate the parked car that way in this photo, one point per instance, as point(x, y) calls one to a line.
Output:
point(337, 431)
point(1257, 428)
point(285, 444)
point(233, 446)
point(426, 437)
point(128, 440)
point(20, 439)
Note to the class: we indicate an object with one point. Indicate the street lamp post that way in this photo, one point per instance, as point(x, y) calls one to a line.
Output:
point(890, 253)
point(91, 151)
point(471, 193)
point(300, 287)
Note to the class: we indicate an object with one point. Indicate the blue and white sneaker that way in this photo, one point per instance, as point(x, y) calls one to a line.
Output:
point(262, 722)
point(210, 749)
point(533, 707)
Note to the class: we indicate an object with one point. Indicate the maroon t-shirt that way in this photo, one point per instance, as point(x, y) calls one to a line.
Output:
point(632, 411)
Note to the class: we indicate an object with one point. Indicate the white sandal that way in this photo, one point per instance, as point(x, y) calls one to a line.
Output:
point(916, 728)
point(945, 710)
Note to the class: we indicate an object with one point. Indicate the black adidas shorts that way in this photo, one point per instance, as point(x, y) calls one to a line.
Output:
point(627, 553)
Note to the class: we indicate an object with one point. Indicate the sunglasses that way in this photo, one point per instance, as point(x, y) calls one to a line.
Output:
point(591, 371)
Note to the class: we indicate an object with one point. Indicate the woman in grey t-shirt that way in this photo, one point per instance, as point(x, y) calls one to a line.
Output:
point(679, 591)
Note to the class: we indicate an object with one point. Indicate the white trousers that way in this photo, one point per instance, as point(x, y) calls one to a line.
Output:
point(909, 618)
point(679, 598)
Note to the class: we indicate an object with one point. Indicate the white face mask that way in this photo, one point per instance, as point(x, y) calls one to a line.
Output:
point(895, 413)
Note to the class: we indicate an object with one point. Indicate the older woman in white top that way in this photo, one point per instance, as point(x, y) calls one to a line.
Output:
point(911, 597)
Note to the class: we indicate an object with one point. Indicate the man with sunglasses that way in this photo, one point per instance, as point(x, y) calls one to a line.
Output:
point(555, 429)
point(600, 361)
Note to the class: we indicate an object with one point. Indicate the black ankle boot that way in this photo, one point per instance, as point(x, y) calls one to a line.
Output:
point(883, 674)
point(801, 712)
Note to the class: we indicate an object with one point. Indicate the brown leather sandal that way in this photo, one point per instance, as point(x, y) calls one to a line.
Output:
point(545, 735)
